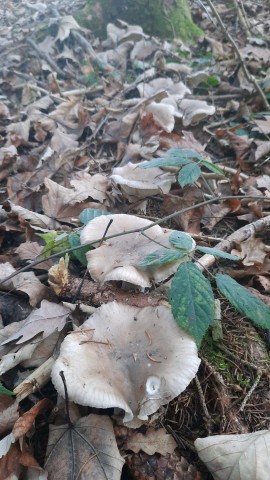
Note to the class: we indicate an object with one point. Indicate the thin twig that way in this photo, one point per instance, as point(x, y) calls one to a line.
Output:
point(66, 397)
point(250, 392)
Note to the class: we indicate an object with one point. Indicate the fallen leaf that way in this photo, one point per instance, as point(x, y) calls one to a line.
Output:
point(154, 441)
point(46, 319)
point(96, 455)
point(8, 413)
point(25, 422)
point(236, 457)
point(252, 251)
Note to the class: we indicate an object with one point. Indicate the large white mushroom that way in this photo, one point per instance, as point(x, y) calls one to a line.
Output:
point(127, 357)
point(118, 258)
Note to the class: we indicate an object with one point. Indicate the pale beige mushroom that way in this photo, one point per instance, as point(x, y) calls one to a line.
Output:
point(118, 257)
point(139, 183)
point(127, 357)
point(194, 111)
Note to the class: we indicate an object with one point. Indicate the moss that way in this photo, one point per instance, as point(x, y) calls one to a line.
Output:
point(216, 358)
point(153, 15)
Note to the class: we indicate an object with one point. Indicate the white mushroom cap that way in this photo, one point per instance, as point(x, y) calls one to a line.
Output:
point(137, 360)
point(140, 183)
point(118, 258)
point(194, 111)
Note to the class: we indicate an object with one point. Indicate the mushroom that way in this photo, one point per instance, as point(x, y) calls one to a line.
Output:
point(118, 257)
point(135, 359)
point(138, 183)
point(194, 111)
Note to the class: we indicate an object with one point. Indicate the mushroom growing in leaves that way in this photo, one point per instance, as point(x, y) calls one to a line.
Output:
point(137, 183)
point(135, 359)
point(119, 258)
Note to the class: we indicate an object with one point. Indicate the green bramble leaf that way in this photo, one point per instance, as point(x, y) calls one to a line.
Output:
point(218, 253)
point(78, 254)
point(182, 241)
point(210, 166)
point(192, 300)
point(89, 214)
point(175, 157)
point(5, 391)
point(56, 242)
point(189, 174)
point(160, 257)
point(244, 301)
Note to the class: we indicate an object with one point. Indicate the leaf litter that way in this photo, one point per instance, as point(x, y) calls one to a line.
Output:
point(78, 117)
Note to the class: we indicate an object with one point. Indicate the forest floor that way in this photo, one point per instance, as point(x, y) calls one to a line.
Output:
point(77, 116)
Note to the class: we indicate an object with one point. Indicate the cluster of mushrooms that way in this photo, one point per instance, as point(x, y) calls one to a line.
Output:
point(125, 357)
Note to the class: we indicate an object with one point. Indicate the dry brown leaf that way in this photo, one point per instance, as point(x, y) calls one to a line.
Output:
point(20, 131)
point(35, 219)
point(8, 413)
point(30, 251)
point(10, 467)
point(25, 282)
point(188, 221)
point(61, 141)
point(96, 455)
point(25, 422)
point(252, 251)
point(255, 269)
point(94, 186)
point(154, 441)
point(46, 319)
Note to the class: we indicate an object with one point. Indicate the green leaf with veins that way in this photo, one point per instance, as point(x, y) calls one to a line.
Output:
point(192, 300)
point(160, 257)
point(182, 241)
point(189, 174)
point(244, 301)
point(78, 254)
point(89, 214)
point(56, 242)
point(218, 253)
point(210, 166)
point(175, 157)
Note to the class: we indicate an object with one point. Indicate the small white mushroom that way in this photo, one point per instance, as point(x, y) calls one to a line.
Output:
point(127, 357)
point(137, 183)
point(194, 111)
point(118, 258)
